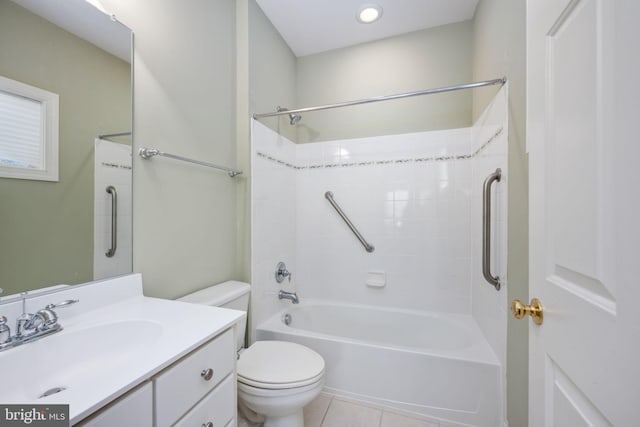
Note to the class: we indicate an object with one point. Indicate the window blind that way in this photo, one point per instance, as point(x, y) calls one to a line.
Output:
point(22, 143)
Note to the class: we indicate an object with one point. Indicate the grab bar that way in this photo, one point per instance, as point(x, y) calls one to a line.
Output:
point(114, 220)
point(368, 247)
point(486, 229)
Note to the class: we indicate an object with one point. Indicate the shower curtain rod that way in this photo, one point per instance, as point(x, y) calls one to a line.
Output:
point(501, 81)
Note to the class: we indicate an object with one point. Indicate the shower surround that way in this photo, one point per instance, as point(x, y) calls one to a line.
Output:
point(415, 197)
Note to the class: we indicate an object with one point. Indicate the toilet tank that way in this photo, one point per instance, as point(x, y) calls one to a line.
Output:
point(231, 294)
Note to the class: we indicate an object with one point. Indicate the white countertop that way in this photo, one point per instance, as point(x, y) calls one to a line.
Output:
point(150, 333)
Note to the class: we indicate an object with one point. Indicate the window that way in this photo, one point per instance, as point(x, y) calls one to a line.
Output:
point(28, 132)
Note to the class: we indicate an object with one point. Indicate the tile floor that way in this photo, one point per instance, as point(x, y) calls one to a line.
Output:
point(336, 411)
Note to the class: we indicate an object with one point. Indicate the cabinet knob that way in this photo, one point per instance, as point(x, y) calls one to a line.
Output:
point(207, 374)
point(209, 424)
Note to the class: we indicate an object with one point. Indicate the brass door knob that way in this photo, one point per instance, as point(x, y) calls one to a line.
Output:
point(534, 310)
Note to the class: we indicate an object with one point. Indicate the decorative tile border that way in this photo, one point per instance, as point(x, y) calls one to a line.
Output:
point(489, 141)
point(115, 165)
point(386, 162)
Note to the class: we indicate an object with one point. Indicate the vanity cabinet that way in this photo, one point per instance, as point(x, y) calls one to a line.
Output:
point(217, 408)
point(197, 390)
point(133, 409)
point(179, 387)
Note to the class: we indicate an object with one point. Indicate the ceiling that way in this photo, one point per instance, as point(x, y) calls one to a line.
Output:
point(313, 26)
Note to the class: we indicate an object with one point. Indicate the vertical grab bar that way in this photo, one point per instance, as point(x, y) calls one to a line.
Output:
point(114, 221)
point(486, 229)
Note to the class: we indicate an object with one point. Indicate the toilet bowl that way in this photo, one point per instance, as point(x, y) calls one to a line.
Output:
point(276, 408)
point(276, 379)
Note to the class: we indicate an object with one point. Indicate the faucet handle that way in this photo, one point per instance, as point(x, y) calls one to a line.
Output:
point(282, 272)
point(62, 304)
point(48, 318)
point(5, 332)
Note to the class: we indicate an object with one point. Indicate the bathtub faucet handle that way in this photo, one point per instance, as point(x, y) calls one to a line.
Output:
point(282, 272)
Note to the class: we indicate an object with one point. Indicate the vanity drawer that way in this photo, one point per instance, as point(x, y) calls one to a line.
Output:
point(218, 407)
point(182, 385)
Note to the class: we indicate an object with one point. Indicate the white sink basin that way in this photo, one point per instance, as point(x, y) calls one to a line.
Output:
point(72, 358)
point(113, 340)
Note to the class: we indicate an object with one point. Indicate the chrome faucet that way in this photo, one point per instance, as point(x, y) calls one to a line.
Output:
point(291, 296)
point(30, 326)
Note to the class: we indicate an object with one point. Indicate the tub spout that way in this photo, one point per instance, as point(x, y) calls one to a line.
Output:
point(291, 296)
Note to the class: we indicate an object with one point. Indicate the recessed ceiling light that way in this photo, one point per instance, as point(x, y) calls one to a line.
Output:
point(369, 13)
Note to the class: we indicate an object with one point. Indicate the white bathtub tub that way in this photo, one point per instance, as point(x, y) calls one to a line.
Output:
point(434, 364)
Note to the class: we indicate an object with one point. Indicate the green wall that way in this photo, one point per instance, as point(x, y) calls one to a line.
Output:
point(430, 58)
point(499, 50)
point(272, 72)
point(425, 59)
point(185, 217)
point(47, 227)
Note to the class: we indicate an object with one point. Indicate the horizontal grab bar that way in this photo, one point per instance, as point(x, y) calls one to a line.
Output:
point(368, 247)
point(147, 153)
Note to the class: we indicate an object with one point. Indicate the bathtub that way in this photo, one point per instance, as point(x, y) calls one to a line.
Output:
point(434, 364)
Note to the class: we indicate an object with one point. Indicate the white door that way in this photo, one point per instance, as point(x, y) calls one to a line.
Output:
point(583, 135)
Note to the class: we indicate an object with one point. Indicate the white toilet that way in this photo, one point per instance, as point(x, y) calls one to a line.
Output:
point(276, 379)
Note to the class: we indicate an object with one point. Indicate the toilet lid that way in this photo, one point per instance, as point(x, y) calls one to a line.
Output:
point(279, 364)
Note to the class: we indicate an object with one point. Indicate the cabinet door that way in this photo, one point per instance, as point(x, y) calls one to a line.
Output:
point(134, 409)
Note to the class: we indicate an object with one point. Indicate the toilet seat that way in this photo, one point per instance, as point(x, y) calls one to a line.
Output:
point(279, 365)
point(272, 393)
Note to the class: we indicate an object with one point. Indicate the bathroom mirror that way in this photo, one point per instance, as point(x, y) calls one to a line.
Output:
point(59, 232)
